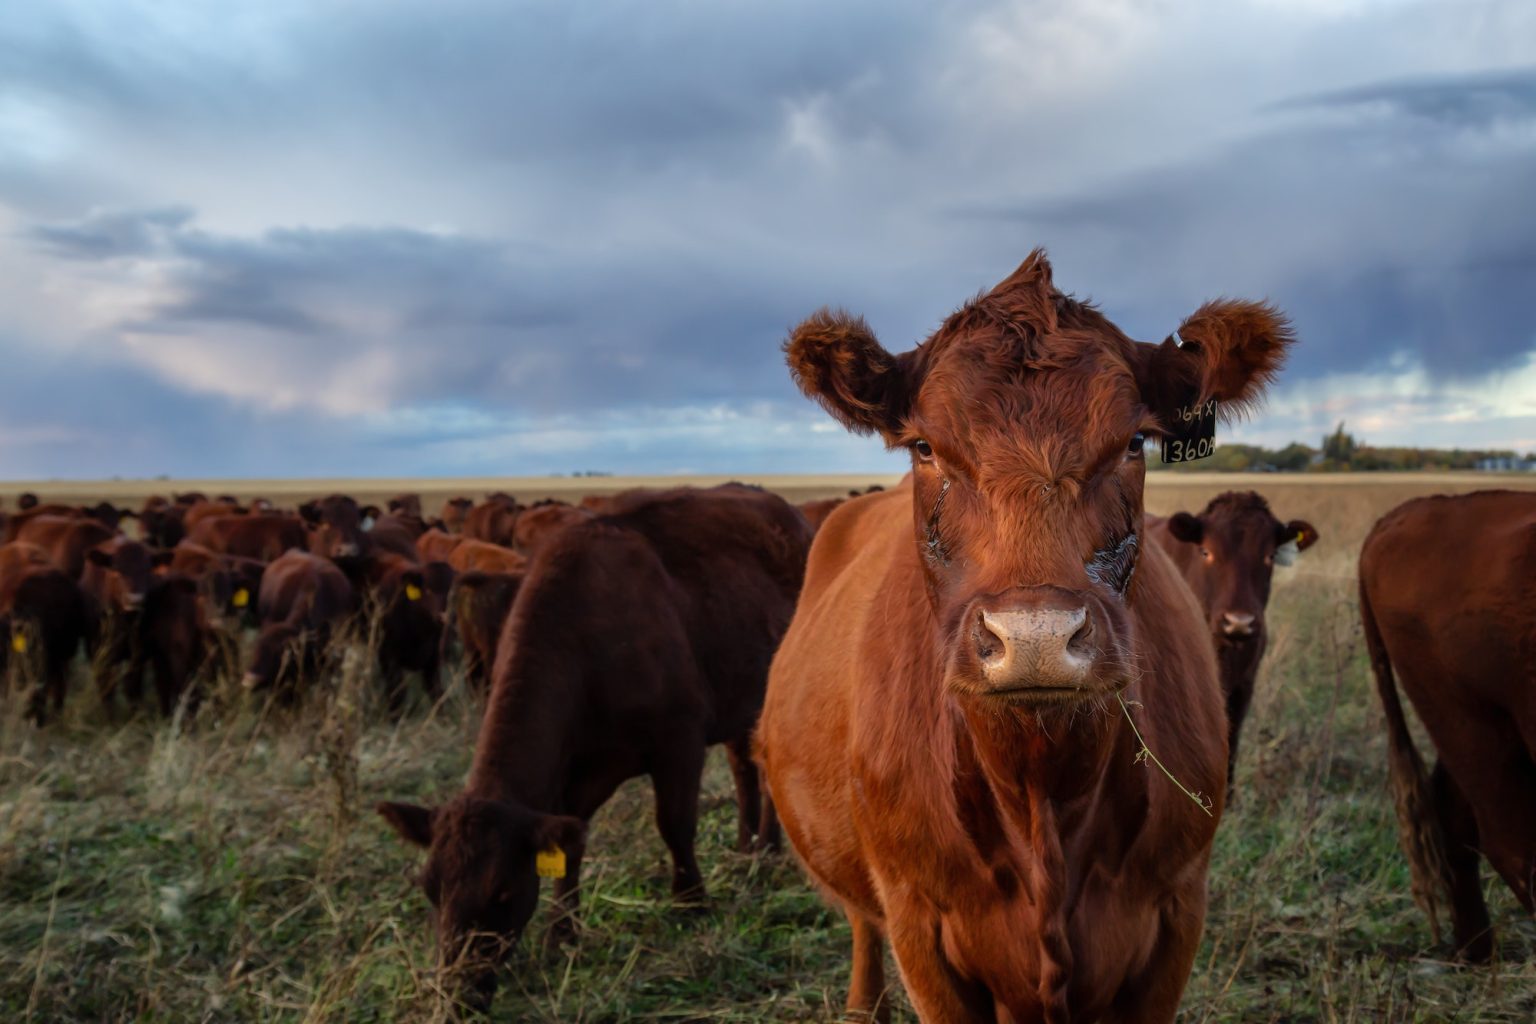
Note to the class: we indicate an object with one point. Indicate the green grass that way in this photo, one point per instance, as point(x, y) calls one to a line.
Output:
point(231, 869)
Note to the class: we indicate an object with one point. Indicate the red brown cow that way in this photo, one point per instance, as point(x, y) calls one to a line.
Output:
point(263, 538)
point(1227, 555)
point(480, 603)
point(470, 555)
point(175, 639)
point(435, 546)
point(408, 599)
point(942, 735)
point(66, 539)
point(305, 601)
point(195, 513)
point(638, 640)
point(538, 523)
point(455, 511)
point(1448, 599)
point(493, 520)
point(229, 584)
point(397, 533)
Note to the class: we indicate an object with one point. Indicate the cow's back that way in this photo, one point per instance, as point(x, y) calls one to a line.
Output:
point(1451, 582)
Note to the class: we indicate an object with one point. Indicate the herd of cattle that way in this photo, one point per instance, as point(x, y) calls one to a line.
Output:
point(940, 692)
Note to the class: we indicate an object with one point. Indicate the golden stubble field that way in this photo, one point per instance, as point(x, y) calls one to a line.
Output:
point(229, 868)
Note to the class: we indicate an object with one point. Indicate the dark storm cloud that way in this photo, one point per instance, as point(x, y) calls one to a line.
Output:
point(442, 229)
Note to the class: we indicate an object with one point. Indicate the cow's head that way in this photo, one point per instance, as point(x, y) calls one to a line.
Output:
point(455, 510)
point(1025, 416)
point(337, 527)
point(127, 568)
point(482, 878)
point(1239, 541)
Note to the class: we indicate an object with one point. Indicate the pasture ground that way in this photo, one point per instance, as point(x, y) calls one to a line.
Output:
point(230, 868)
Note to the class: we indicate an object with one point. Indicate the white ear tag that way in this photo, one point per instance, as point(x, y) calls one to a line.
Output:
point(1286, 553)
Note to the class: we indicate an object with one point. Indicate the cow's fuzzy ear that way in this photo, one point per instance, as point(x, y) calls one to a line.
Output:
point(96, 556)
point(835, 358)
point(1186, 527)
point(412, 822)
point(1300, 531)
point(1229, 350)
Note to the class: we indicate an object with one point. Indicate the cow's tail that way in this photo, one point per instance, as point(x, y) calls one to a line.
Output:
point(1422, 838)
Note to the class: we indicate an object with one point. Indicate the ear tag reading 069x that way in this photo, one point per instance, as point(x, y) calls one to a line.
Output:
point(1193, 435)
point(550, 863)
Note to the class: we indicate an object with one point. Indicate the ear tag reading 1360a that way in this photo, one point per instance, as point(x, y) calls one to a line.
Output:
point(1193, 435)
point(550, 863)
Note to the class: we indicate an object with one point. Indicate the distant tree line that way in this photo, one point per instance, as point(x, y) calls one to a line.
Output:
point(1341, 452)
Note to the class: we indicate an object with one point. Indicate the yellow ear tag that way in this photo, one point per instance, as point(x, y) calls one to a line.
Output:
point(1301, 536)
point(241, 599)
point(412, 592)
point(19, 645)
point(550, 863)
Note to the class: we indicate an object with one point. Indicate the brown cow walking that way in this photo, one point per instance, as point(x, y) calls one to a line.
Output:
point(1448, 599)
point(941, 732)
point(637, 641)
point(1227, 555)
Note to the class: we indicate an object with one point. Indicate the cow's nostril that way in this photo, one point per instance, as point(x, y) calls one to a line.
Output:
point(1082, 641)
point(989, 645)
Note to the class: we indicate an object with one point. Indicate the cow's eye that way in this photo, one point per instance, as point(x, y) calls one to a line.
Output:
point(1138, 441)
point(924, 450)
point(1205, 554)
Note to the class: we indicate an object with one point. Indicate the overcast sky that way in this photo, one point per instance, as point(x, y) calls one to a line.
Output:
point(492, 238)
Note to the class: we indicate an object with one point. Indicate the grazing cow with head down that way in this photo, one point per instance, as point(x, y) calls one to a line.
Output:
point(1448, 599)
point(1227, 555)
point(942, 735)
point(471, 555)
point(638, 640)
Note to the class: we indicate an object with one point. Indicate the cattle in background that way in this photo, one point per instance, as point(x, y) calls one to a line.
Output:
point(219, 507)
point(538, 523)
point(43, 620)
point(435, 546)
point(305, 602)
point(162, 524)
point(708, 583)
point(228, 584)
point(263, 538)
point(480, 602)
point(943, 735)
point(455, 511)
point(493, 520)
point(408, 505)
point(338, 525)
point(471, 555)
point(397, 533)
point(1448, 600)
point(408, 600)
point(1227, 555)
point(26, 500)
point(65, 538)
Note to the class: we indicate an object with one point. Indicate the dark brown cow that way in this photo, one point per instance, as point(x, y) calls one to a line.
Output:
point(397, 533)
point(175, 639)
point(480, 603)
point(455, 511)
point(538, 523)
point(470, 555)
point(43, 620)
point(338, 527)
point(26, 500)
point(1227, 555)
point(408, 599)
point(263, 538)
point(638, 640)
point(408, 505)
point(304, 603)
point(1448, 598)
point(162, 524)
point(493, 520)
point(229, 584)
point(118, 574)
point(942, 735)
point(66, 539)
